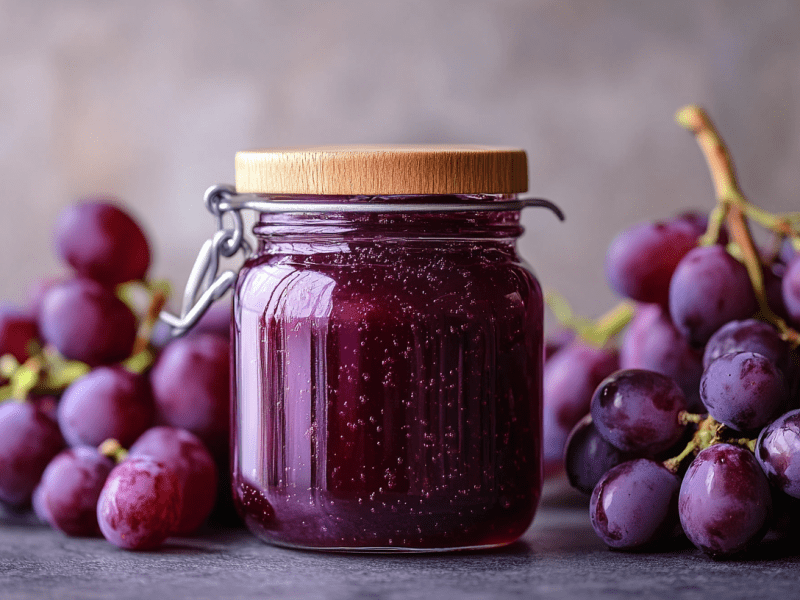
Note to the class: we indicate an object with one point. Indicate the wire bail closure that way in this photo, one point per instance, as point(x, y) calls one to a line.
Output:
point(204, 286)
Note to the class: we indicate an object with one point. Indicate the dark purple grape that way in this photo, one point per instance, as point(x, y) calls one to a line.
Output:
point(570, 378)
point(86, 321)
point(68, 491)
point(750, 335)
point(216, 320)
point(637, 411)
point(587, 456)
point(640, 260)
point(725, 503)
point(778, 452)
point(102, 242)
point(791, 289)
point(651, 342)
point(635, 504)
point(140, 504)
point(29, 439)
point(743, 390)
point(108, 402)
point(554, 343)
point(708, 289)
point(191, 388)
point(183, 452)
point(17, 330)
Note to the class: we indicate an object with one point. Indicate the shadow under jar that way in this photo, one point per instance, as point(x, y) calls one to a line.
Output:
point(387, 390)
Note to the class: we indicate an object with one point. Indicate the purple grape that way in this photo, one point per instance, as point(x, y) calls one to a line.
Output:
point(28, 441)
point(191, 388)
point(744, 390)
point(778, 452)
point(140, 504)
point(17, 330)
point(570, 378)
point(86, 321)
point(183, 452)
point(748, 336)
point(708, 289)
point(108, 402)
point(587, 456)
point(216, 320)
point(651, 342)
point(637, 411)
point(635, 504)
point(68, 491)
point(640, 260)
point(102, 242)
point(791, 289)
point(556, 342)
point(725, 503)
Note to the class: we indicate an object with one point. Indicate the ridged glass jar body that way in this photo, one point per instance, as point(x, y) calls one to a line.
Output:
point(387, 390)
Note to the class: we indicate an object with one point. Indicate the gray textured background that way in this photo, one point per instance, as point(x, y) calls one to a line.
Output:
point(149, 100)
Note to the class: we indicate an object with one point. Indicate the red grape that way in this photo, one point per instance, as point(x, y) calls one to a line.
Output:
point(29, 439)
point(68, 491)
point(108, 402)
point(191, 388)
point(140, 504)
point(102, 242)
point(637, 411)
point(640, 260)
point(86, 321)
point(183, 452)
point(17, 330)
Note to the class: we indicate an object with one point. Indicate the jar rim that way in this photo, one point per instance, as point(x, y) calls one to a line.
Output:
point(363, 170)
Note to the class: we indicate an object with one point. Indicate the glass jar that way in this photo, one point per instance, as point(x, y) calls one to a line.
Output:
point(387, 387)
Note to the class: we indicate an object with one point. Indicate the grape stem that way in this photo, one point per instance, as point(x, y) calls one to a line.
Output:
point(595, 333)
point(733, 208)
point(707, 434)
point(113, 450)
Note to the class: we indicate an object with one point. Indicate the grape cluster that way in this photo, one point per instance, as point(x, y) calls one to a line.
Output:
point(107, 426)
point(698, 432)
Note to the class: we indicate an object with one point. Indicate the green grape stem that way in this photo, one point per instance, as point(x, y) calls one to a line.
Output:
point(113, 450)
point(733, 208)
point(595, 333)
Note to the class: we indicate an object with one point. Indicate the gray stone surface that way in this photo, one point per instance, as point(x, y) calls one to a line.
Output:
point(559, 557)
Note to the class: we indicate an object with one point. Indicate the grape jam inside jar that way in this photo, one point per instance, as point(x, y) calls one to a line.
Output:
point(387, 388)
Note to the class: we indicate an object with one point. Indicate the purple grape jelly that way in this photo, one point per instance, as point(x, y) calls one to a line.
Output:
point(388, 380)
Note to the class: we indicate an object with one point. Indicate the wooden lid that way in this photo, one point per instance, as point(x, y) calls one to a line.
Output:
point(367, 170)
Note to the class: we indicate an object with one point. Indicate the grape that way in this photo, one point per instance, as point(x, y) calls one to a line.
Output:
point(102, 242)
point(651, 342)
point(708, 289)
point(140, 504)
point(743, 390)
point(216, 320)
point(183, 452)
point(68, 491)
point(28, 441)
point(17, 330)
point(635, 504)
point(748, 336)
point(191, 387)
point(556, 342)
point(778, 452)
point(570, 378)
point(640, 260)
point(724, 502)
point(587, 456)
point(108, 402)
point(637, 411)
point(791, 289)
point(87, 322)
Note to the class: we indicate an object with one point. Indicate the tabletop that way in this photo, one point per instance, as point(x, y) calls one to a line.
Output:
point(558, 557)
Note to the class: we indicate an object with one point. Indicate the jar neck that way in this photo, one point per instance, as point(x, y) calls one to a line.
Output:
point(502, 226)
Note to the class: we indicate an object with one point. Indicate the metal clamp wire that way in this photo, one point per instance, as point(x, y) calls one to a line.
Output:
point(221, 200)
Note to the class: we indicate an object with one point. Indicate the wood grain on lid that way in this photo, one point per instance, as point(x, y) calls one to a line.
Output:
point(400, 169)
